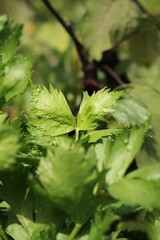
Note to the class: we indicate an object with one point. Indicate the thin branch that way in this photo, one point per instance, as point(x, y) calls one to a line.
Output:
point(112, 73)
point(68, 28)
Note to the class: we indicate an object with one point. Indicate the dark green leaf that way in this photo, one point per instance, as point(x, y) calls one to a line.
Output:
point(152, 224)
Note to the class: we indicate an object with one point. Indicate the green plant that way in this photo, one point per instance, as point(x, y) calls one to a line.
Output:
point(70, 176)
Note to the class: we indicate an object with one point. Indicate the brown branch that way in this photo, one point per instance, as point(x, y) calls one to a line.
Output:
point(112, 73)
point(68, 28)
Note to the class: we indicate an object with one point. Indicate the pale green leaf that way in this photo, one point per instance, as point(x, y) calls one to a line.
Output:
point(105, 25)
point(136, 192)
point(151, 172)
point(130, 112)
point(44, 232)
point(95, 108)
point(17, 232)
point(49, 113)
point(94, 136)
point(69, 189)
point(8, 144)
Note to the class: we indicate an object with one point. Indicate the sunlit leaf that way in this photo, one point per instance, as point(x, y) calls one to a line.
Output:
point(99, 134)
point(49, 112)
point(95, 108)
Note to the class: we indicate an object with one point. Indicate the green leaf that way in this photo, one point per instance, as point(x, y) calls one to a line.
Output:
point(151, 172)
point(100, 28)
point(130, 112)
point(150, 152)
point(3, 20)
point(94, 136)
point(8, 144)
point(8, 49)
point(49, 112)
point(152, 224)
point(148, 75)
point(136, 192)
point(69, 189)
point(17, 232)
point(95, 108)
point(115, 155)
point(17, 75)
point(145, 46)
point(152, 6)
point(9, 29)
point(30, 216)
point(102, 222)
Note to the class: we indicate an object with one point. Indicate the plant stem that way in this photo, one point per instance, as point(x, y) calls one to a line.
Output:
point(77, 134)
point(111, 72)
point(74, 232)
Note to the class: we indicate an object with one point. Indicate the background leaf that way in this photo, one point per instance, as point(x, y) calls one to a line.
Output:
point(136, 192)
point(152, 6)
point(100, 30)
point(130, 112)
point(150, 152)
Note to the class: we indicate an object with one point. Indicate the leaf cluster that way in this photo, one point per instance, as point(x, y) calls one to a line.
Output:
point(68, 176)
